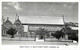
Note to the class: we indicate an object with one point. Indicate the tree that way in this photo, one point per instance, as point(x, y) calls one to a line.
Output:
point(66, 30)
point(58, 34)
point(42, 32)
point(74, 35)
point(12, 32)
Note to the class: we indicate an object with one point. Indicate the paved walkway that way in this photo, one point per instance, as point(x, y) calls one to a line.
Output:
point(31, 41)
point(4, 42)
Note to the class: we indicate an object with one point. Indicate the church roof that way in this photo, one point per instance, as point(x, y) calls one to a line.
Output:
point(41, 20)
point(17, 21)
point(7, 21)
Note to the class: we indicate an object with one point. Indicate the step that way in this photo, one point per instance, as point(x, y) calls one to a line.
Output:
point(40, 40)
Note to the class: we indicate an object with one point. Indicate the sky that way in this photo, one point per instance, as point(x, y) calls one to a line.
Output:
point(46, 9)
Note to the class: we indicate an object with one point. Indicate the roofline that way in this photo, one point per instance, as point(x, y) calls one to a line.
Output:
point(41, 24)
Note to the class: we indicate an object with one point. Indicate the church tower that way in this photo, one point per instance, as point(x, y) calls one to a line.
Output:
point(18, 25)
point(6, 25)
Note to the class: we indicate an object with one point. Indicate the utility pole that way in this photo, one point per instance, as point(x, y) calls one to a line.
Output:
point(66, 36)
point(63, 19)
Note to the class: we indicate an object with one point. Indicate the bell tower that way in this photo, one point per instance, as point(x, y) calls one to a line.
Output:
point(17, 17)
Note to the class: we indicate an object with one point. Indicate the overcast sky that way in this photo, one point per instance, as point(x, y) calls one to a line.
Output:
point(53, 9)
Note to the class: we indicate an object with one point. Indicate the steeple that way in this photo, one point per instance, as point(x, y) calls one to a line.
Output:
point(17, 21)
point(7, 18)
point(7, 21)
point(17, 17)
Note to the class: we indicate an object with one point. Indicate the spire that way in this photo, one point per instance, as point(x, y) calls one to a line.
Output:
point(17, 21)
point(7, 18)
point(18, 17)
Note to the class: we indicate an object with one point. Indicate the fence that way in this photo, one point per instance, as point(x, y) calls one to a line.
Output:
point(19, 38)
point(53, 39)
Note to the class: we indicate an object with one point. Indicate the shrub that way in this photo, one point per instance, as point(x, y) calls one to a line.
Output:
point(12, 32)
point(58, 34)
point(42, 32)
point(74, 35)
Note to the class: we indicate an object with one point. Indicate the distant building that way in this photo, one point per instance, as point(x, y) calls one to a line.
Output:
point(72, 24)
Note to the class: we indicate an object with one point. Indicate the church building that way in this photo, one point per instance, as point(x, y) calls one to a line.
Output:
point(27, 26)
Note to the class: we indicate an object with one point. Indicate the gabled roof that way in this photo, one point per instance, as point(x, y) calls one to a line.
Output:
point(42, 20)
point(17, 21)
point(7, 21)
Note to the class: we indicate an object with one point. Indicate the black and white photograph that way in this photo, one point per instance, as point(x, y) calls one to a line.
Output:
point(40, 23)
